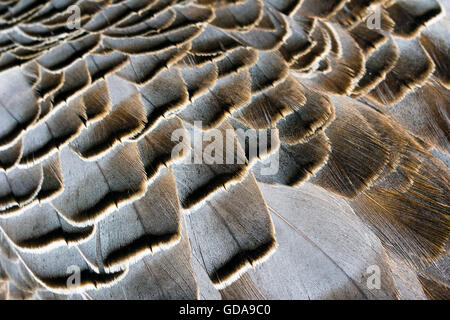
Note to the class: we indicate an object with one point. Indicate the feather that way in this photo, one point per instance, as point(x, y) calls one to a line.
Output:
point(411, 16)
point(112, 15)
point(100, 66)
point(119, 187)
point(378, 65)
point(53, 134)
point(435, 41)
point(306, 120)
point(125, 121)
point(322, 45)
point(9, 157)
point(49, 82)
point(236, 60)
point(198, 80)
point(167, 275)
point(286, 7)
point(314, 251)
point(212, 41)
point(247, 233)
point(354, 11)
point(228, 94)
point(267, 107)
point(20, 187)
point(265, 39)
point(425, 112)
point(64, 55)
point(162, 97)
point(241, 16)
point(155, 43)
point(346, 70)
point(55, 277)
point(76, 79)
point(146, 228)
point(349, 172)
point(142, 69)
point(299, 162)
point(156, 148)
point(200, 178)
point(44, 231)
point(322, 9)
point(165, 149)
point(20, 111)
point(405, 75)
point(297, 44)
point(143, 11)
point(19, 276)
point(157, 23)
point(367, 39)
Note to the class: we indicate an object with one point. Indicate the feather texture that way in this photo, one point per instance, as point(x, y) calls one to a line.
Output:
point(136, 139)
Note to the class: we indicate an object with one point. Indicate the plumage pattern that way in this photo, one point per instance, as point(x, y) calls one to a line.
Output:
point(96, 97)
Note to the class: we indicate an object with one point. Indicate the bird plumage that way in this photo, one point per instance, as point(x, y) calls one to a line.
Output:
point(349, 97)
